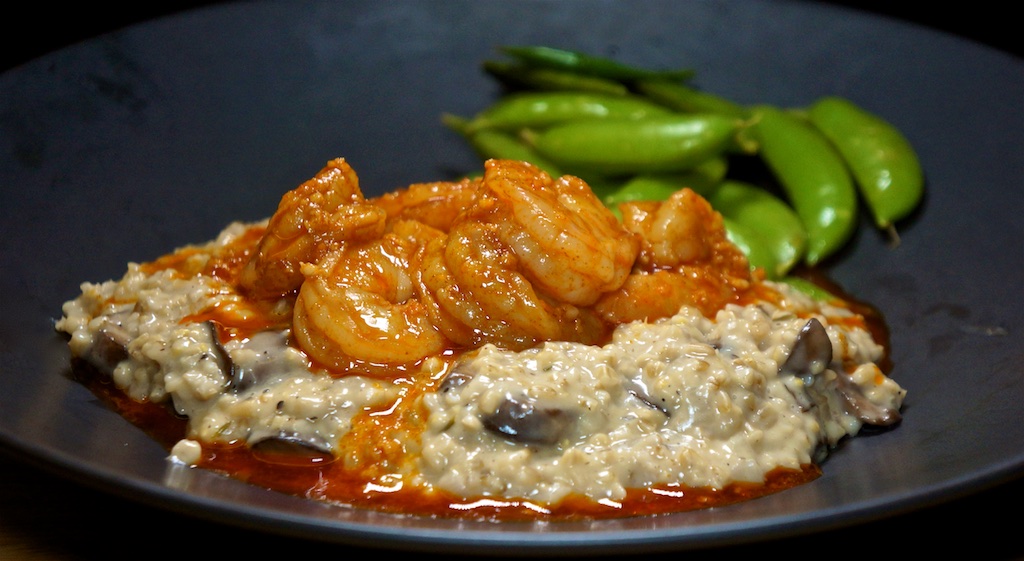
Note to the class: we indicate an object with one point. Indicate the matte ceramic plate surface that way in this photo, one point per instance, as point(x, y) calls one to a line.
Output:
point(126, 146)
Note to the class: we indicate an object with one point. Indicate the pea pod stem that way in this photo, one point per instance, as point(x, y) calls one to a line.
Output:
point(582, 63)
point(814, 177)
point(884, 165)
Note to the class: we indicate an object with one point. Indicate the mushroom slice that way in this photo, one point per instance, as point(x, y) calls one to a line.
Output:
point(290, 447)
point(269, 347)
point(811, 353)
point(454, 379)
point(220, 354)
point(857, 404)
point(523, 422)
point(109, 347)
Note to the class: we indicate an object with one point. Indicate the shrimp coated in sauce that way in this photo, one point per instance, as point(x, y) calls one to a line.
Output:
point(685, 259)
point(310, 221)
point(360, 303)
point(569, 243)
point(513, 258)
point(477, 293)
point(436, 204)
point(523, 263)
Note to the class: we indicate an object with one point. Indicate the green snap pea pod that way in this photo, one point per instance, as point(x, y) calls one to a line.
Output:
point(498, 144)
point(884, 165)
point(575, 61)
point(517, 76)
point(644, 187)
point(653, 145)
point(808, 288)
point(543, 109)
point(703, 177)
point(768, 217)
point(749, 241)
point(659, 186)
point(687, 99)
point(814, 177)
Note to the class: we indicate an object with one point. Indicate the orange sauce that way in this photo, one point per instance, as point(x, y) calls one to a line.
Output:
point(332, 482)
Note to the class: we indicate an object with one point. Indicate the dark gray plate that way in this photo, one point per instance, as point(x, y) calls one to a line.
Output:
point(123, 147)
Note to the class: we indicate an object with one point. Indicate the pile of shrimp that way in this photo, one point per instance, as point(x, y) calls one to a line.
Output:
point(514, 258)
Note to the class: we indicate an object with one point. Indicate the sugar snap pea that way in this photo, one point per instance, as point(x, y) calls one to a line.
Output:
point(498, 144)
point(814, 177)
point(768, 218)
point(703, 179)
point(644, 187)
point(542, 109)
point(750, 242)
point(826, 157)
point(518, 76)
point(809, 288)
point(883, 162)
point(656, 144)
point(575, 61)
point(687, 99)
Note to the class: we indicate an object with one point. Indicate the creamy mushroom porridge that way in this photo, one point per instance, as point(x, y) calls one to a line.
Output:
point(500, 347)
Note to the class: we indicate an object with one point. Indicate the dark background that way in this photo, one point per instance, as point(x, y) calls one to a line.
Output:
point(42, 27)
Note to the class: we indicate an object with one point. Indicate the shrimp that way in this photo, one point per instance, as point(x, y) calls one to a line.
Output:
point(435, 204)
point(682, 229)
point(569, 244)
point(522, 263)
point(647, 296)
point(449, 307)
point(310, 221)
point(479, 295)
point(514, 258)
point(685, 259)
point(360, 305)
